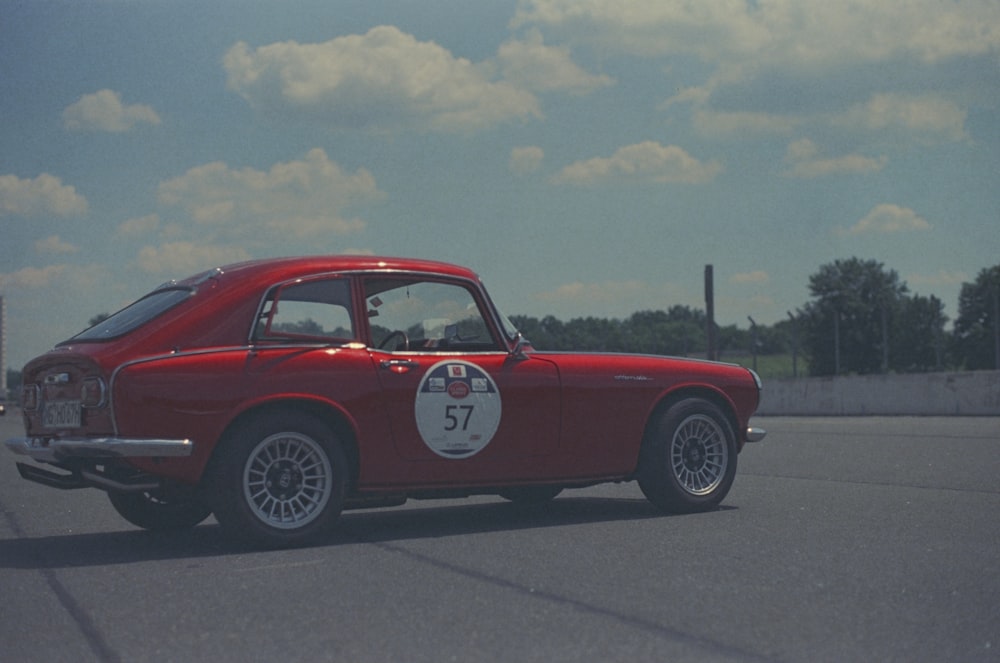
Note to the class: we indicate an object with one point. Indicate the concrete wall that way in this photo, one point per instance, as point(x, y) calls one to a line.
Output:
point(971, 393)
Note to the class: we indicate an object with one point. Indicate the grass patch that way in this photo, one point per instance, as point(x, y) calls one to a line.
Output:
point(772, 367)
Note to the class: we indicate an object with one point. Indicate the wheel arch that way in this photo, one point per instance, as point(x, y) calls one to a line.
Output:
point(329, 414)
point(713, 396)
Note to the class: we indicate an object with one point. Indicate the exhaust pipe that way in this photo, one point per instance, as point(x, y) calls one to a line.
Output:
point(86, 479)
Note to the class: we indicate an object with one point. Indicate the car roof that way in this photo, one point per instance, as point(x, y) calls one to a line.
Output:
point(292, 267)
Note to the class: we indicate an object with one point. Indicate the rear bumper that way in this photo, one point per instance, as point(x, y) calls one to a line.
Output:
point(52, 450)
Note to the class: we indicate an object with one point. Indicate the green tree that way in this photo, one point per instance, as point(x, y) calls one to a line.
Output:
point(974, 342)
point(13, 381)
point(594, 335)
point(917, 335)
point(846, 326)
point(544, 334)
point(679, 331)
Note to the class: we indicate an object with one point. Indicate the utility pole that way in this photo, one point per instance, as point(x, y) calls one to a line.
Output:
point(795, 345)
point(996, 324)
point(3, 349)
point(836, 342)
point(885, 339)
point(712, 352)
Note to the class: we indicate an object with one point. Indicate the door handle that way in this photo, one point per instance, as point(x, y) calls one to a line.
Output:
point(399, 365)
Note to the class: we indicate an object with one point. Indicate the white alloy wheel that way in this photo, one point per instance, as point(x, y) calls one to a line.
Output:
point(699, 454)
point(287, 480)
point(688, 458)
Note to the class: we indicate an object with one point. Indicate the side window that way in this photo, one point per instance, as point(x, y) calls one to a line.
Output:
point(311, 310)
point(425, 316)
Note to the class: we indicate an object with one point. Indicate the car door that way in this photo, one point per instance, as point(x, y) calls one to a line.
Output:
point(461, 408)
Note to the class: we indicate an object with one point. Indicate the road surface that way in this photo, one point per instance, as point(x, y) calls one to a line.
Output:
point(842, 539)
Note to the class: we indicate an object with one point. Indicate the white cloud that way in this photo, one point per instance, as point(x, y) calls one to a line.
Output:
point(525, 160)
point(301, 198)
point(648, 161)
point(607, 298)
point(785, 33)
point(140, 225)
point(31, 277)
point(53, 244)
point(775, 63)
point(887, 218)
point(806, 163)
point(44, 194)
point(382, 80)
point(740, 123)
point(941, 279)
point(927, 115)
point(757, 276)
point(651, 27)
point(180, 259)
point(104, 111)
point(533, 65)
point(592, 293)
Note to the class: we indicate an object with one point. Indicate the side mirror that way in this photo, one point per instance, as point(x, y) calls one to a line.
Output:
point(520, 344)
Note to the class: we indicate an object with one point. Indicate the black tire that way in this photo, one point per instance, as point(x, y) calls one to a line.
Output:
point(278, 479)
point(688, 458)
point(156, 511)
point(530, 495)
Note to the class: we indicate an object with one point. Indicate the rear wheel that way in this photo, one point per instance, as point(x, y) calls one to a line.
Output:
point(157, 511)
point(279, 480)
point(688, 458)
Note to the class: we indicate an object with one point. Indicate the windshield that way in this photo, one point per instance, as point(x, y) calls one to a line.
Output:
point(509, 330)
point(134, 315)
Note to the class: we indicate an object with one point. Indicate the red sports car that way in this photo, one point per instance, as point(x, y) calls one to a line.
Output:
point(276, 393)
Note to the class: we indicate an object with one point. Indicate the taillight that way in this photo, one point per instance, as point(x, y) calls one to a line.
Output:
point(29, 397)
point(92, 392)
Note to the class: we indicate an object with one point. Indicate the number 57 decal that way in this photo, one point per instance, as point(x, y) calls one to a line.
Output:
point(454, 413)
point(457, 389)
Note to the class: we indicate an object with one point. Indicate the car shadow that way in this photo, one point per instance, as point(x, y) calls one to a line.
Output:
point(353, 528)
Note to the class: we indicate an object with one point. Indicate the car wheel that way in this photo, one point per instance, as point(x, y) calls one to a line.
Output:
point(155, 511)
point(280, 479)
point(688, 458)
point(530, 495)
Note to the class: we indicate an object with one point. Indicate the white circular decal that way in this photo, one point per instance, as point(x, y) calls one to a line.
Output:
point(458, 409)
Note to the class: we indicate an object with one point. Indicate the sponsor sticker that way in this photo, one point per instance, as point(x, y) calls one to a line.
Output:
point(458, 409)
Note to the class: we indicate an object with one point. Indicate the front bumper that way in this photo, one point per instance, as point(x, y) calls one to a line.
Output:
point(755, 434)
point(56, 449)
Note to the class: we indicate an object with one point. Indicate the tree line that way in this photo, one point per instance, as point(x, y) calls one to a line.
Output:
point(862, 319)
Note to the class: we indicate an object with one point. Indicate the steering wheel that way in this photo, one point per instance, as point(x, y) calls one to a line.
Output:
point(394, 335)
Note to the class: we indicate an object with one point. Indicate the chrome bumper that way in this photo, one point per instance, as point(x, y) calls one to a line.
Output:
point(755, 434)
point(51, 450)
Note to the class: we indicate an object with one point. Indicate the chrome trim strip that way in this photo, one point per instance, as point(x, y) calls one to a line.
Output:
point(55, 449)
point(755, 434)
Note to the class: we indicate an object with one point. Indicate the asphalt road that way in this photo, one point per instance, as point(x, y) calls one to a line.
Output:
point(842, 539)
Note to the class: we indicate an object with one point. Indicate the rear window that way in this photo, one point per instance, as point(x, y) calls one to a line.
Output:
point(318, 309)
point(134, 315)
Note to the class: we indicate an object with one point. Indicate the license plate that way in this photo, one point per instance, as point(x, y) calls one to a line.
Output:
point(61, 414)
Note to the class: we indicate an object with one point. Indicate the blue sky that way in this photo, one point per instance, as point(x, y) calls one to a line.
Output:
point(586, 157)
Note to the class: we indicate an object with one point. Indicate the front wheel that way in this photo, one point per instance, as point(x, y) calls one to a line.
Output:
point(158, 511)
point(688, 458)
point(280, 479)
